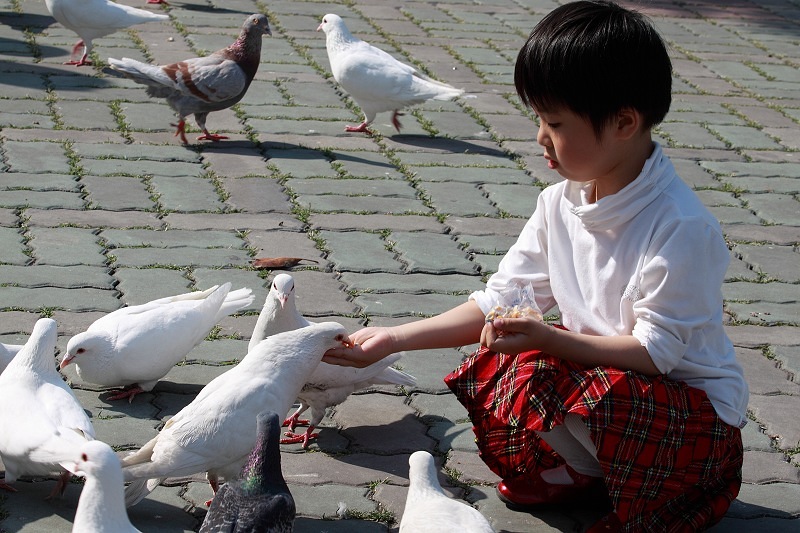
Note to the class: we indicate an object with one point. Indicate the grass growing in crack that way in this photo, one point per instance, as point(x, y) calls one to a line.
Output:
point(119, 117)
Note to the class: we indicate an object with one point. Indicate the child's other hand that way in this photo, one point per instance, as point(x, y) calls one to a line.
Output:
point(368, 346)
point(512, 335)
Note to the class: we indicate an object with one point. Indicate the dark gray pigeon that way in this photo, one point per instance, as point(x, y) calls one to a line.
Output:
point(203, 84)
point(259, 501)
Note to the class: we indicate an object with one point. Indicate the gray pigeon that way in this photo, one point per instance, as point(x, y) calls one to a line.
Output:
point(374, 79)
point(259, 501)
point(203, 84)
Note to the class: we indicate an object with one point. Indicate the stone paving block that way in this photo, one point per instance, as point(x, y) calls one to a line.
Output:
point(789, 358)
point(430, 367)
point(177, 257)
point(765, 501)
point(414, 249)
point(361, 204)
point(186, 193)
point(515, 200)
point(36, 158)
point(173, 238)
point(13, 249)
point(66, 247)
point(410, 283)
point(218, 351)
point(459, 199)
point(73, 276)
point(355, 469)
point(402, 304)
point(361, 252)
point(118, 193)
point(777, 414)
point(160, 169)
point(768, 467)
point(235, 161)
point(301, 163)
point(777, 261)
point(141, 285)
point(78, 299)
point(95, 218)
point(353, 186)
point(256, 195)
point(227, 221)
point(39, 182)
point(387, 426)
point(764, 375)
point(775, 208)
point(286, 244)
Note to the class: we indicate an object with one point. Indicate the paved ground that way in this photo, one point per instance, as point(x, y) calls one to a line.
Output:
point(100, 207)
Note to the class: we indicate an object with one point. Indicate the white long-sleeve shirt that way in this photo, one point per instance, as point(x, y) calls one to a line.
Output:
point(648, 261)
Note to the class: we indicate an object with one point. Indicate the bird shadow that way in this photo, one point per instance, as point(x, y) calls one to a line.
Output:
point(23, 21)
point(446, 144)
point(208, 8)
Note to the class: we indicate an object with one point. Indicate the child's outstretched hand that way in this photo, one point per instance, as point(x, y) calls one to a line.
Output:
point(368, 345)
point(513, 335)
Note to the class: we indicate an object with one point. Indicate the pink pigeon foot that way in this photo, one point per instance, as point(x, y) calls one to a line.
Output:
point(58, 490)
point(206, 136)
point(305, 438)
point(128, 393)
point(180, 131)
point(294, 421)
point(80, 45)
point(214, 488)
point(6, 486)
point(395, 121)
point(362, 128)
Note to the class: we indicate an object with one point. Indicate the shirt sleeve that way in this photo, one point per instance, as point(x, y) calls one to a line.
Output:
point(681, 286)
point(523, 268)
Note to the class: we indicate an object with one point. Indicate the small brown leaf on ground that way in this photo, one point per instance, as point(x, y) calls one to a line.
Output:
point(279, 262)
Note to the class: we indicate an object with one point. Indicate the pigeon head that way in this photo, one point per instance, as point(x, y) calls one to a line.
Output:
point(333, 25)
point(39, 350)
point(282, 289)
point(87, 348)
point(95, 457)
point(258, 24)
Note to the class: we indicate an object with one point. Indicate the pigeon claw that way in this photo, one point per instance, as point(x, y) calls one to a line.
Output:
point(305, 438)
point(180, 130)
point(6, 486)
point(294, 421)
point(396, 121)
point(78, 63)
point(206, 136)
point(127, 393)
point(361, 128)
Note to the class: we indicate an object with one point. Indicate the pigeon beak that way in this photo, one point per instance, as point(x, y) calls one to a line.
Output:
point(283, 298)
point(66, 361)
point(268, 31)
point(320, 26)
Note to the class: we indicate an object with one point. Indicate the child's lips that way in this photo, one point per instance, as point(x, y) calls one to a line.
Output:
point(551, 164)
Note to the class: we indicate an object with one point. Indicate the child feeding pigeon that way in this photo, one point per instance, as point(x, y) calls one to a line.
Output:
point(637, 398)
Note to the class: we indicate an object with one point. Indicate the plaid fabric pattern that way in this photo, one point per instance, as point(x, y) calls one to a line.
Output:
point(670, 463)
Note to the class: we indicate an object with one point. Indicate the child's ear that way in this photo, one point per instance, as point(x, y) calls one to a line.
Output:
point(627, 123)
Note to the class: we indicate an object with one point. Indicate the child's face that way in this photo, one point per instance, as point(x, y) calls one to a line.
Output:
point(571, 146)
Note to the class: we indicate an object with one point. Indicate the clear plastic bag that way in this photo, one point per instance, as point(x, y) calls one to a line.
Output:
point(520, 303)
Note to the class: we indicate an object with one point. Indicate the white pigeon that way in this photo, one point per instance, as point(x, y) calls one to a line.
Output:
point(429, 510)
point(101, 507)
point(217, 430)
point(38, 408)
point(279, 313)
point(7, 353)
point(92, 19)
point(374, 79)
point(328, 385)
point(138, 345)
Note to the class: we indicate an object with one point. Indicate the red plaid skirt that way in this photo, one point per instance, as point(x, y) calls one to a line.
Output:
point(670, 463)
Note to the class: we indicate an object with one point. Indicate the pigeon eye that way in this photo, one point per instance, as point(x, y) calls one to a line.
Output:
point(81, 350)
point(84, 457)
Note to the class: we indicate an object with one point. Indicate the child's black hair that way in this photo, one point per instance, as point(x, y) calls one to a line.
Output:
point(595, 58)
